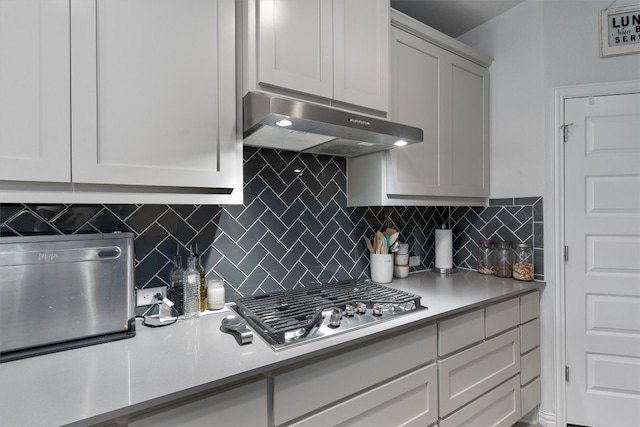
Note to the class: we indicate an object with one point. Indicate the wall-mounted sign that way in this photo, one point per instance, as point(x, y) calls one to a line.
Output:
point(620, 31)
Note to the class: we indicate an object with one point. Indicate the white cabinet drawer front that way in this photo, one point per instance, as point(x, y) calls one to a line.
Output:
point(529, 336)
point(408, 400)
point(530, 366)
point(303, 390)
point(244, 405)
point(461, 331)
point(529, 307)
point(471, 373)
point(530, 396)
point(499, 407)
point(502, 316)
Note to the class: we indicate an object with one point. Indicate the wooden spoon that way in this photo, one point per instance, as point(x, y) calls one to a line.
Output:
point(369, 245)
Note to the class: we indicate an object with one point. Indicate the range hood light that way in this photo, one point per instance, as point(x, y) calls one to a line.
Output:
point(283, 123)
point(400, 143)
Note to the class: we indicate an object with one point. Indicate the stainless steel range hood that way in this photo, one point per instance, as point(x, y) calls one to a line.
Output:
point(318, 129)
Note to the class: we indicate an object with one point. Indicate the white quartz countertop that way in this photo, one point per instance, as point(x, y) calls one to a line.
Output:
point(102, 382)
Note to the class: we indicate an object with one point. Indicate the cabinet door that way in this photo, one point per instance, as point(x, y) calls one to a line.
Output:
point(416, 79)
point(34, 91)
point(469, 97)
point(153, 93)
point(295, 45)
point(361, 52)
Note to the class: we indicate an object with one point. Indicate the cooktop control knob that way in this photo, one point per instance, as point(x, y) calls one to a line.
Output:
point(336, 317)
point(377, 309)
point(349, 310)
point(361, 308)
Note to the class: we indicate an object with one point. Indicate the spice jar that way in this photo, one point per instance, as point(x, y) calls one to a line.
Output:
point(523, 262)
point(485, 257)
point(503, 266)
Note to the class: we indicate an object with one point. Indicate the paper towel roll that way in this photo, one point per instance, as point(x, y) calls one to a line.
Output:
point(444, 249)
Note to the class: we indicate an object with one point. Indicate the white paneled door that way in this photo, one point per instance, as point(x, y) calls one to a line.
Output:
point(602, 232)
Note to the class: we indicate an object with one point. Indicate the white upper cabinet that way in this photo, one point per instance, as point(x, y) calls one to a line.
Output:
point(145, 90)
point(328, 51)
point(34, 90)
point(153, 99)
point(442, 87)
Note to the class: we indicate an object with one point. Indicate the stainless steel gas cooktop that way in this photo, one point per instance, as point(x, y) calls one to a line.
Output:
point(294, 317)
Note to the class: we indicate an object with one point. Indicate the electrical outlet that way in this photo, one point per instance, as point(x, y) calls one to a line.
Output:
point(414, 261)
point(145, 296)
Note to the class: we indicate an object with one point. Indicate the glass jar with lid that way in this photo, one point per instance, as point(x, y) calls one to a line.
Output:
point(503, 264)
point(485, 257)
point(523, 262)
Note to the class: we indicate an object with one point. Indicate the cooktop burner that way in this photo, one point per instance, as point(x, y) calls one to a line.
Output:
point(291, 317)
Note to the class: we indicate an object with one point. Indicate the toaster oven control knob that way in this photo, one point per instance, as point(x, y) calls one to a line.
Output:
point(349, 310)
point(336, 317)
point(377, 309)
point(361, 308)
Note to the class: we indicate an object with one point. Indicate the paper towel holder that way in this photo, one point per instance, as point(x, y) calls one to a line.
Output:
point(445, 270)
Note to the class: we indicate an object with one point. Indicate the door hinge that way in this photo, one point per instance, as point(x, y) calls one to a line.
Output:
point(566, 254)
point(566, 373)
point(564, 131)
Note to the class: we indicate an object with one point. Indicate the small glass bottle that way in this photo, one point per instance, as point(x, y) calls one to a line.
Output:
point(503, 265)
point(176, 284)
point(203, 289)
point(523, 262)
point(485, 257)
point(191, 288)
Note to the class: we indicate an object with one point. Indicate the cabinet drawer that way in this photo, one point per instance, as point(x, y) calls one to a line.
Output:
point(529, 336)
point(471, 373)
point(408, 400)
point(530, 366)
point(529, 307)
point(310, 387)
point(502, 316)
point(244, 405)
point(460, 331)
point(499, 407)
point(530, 396)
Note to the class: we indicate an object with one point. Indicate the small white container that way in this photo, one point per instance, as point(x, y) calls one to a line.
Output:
point(401, 271)
point(402, 259)
point(381, 268)
point(215, 294)
point(403, 249)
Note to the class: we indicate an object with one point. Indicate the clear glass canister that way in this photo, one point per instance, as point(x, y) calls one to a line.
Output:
point(485, 257)
point(503, 265)
point(523, 262)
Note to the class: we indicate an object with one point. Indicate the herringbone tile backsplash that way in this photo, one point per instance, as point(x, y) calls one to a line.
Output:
point(294, 228)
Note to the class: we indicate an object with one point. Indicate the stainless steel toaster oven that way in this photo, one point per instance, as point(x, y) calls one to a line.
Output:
point(62, 292)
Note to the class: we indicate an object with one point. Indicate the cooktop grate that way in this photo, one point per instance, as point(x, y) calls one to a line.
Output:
point(281, 312)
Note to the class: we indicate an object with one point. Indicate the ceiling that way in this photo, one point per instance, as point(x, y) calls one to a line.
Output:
point(454, 17)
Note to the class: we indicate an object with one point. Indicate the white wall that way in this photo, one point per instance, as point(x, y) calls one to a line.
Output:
point(538, 46)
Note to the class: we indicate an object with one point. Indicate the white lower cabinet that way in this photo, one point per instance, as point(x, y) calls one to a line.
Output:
point(388, 377)
point(410, 400)
point(489, 364)
point(244, 405)
point(473, 372)
point(499, 407)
